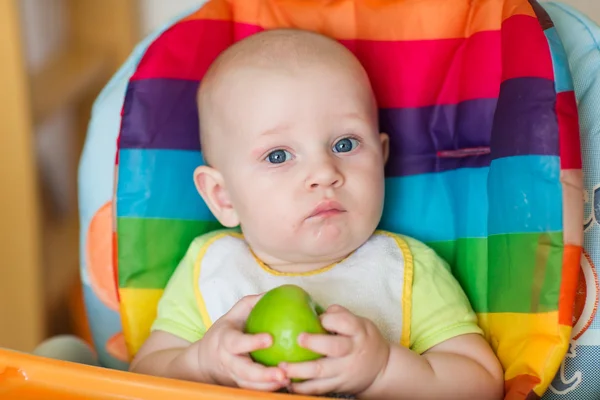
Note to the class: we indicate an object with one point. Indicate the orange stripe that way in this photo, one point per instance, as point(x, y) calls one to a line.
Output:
point(379, 19)
point(520, 387)
point(568, 286)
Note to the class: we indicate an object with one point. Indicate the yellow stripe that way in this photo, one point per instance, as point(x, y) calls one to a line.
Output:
point(197, 267)
point(532, 344)
point(138, 311)
point(407, 289)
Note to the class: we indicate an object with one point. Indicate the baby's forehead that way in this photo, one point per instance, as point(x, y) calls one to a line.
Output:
point(267, 54)
point(285, 49)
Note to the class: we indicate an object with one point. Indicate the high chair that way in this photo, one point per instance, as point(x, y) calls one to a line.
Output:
point(483, 101)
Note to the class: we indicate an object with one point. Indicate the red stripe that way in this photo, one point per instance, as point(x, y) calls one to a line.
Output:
point(568, 127)
point(186, 50)
point(404, 74)
point(525, 49)
point(422, 73)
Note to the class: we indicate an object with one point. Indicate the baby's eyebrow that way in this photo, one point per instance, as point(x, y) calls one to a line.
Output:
point(276, 129)
point(352, 115)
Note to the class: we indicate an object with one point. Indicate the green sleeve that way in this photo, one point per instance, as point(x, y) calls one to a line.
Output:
point(177, 311)
point(440, 309)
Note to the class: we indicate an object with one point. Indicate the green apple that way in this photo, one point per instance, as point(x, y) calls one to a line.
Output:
point(285, 312)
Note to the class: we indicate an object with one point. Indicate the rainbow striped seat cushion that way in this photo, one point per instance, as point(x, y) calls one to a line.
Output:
point(485, 162)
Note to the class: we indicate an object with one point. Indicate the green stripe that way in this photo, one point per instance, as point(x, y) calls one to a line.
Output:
point(518, 273)
point(523, 271)
point(149, 250)
point(468, 260)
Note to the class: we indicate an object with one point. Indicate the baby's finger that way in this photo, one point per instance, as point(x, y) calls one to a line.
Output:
point(323, 368)
point(336, 308)
point(341, 321)
point(244, 369)
point(240, 311)
point(261, 386)
point(237, 342)
point(315, 387)
point(327, 345)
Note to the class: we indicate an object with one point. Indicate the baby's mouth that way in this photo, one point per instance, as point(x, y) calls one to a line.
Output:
point(327, 209)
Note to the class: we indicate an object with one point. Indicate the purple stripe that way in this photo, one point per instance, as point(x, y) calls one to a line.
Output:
point(418, 134)
point(160, 114)
point(525, 121)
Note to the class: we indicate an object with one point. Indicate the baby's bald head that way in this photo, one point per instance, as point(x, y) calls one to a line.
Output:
point(279, 50)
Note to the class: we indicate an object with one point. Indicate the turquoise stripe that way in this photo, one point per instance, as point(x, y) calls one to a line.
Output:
point(562, 73)
point(525, 195)
point(438, 206)
point(159, 184)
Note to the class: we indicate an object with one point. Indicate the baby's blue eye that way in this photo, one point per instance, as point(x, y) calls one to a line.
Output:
point(278, 156)
point(345, 145)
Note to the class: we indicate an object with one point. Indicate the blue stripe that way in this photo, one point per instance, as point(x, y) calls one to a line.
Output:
point(438, 207)
point(562, 72)
point(523, 193)
point(159, 184)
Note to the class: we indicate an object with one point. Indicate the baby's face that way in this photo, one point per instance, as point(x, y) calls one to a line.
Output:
point(302, 160)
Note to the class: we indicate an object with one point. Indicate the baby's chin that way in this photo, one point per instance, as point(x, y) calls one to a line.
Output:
point(328, 239)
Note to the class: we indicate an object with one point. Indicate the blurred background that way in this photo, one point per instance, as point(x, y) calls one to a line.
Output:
point(55, 57)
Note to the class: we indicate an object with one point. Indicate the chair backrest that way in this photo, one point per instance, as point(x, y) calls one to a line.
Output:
point(579, 375)
point(484, 163)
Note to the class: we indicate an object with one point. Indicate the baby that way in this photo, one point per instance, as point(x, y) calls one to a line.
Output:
point(294, 158)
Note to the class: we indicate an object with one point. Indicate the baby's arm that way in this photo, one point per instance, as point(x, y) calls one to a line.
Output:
point(169, 351)
point(447, 356)
point(182, 346)
point(463, 367)
point(167, 355)
point(360, 361)
point(448, 351)
point(220, 357)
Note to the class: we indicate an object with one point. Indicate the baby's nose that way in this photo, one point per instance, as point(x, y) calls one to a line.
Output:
point(325, 175)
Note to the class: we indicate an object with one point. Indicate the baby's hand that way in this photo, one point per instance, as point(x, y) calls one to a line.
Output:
point(223, 352)
point(355, 357)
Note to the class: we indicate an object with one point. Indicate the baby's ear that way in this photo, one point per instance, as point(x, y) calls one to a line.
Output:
point(209, 183)
point(385, 146)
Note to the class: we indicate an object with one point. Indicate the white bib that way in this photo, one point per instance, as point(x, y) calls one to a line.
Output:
point(371, 282)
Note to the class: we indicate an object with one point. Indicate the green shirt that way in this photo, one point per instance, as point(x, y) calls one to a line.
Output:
point(440, 309)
